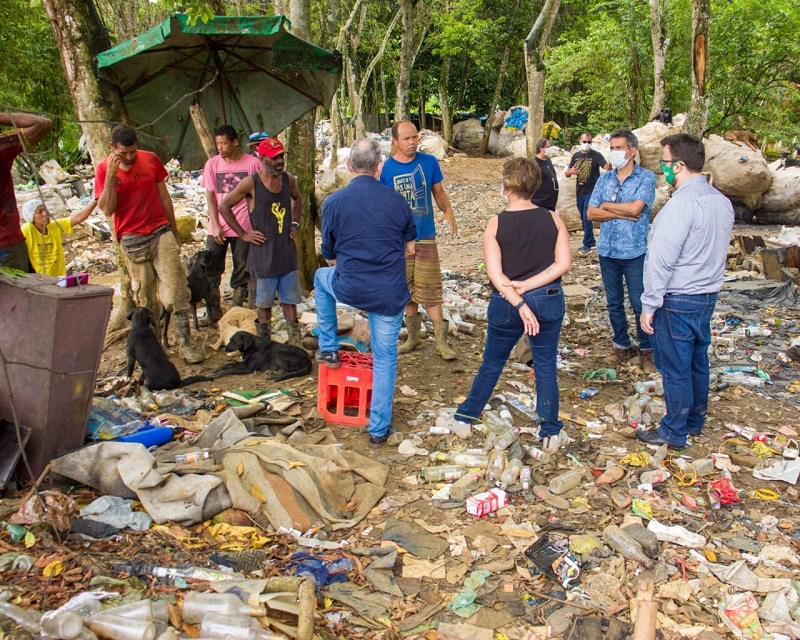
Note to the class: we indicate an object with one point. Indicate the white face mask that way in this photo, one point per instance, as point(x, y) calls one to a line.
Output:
point(585, 146)
point(549, 151)
point(618, 159)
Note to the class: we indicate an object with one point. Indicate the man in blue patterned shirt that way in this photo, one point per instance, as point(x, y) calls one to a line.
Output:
point(621, 202)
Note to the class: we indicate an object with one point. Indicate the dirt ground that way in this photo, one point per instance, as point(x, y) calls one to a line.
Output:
point(431, 384)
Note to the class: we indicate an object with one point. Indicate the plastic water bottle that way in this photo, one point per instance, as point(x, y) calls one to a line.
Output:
point(446, 473)
point(192, 456)
point(650, 387)
point(625, 545)
point(510, 474)
point(658, 457)
point(566, 481)
point(497, 464)
point(111, 431)
point(525, 478)
point(654, 477)
point(197, 604)
point(589, 392)
point(538, 454)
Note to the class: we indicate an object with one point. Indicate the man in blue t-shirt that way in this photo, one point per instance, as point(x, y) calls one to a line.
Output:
point(369, 230)
point(418, 178)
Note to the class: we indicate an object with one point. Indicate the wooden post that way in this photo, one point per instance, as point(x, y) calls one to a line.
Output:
point(203, 129)
point(646, 610)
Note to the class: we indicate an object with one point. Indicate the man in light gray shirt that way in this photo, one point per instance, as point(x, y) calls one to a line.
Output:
point(683, 274)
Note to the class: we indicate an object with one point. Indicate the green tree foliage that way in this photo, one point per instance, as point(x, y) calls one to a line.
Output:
point(31, 77)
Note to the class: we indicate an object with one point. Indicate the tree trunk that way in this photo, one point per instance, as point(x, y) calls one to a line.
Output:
point(80, 36)
point(698, 111)
point(302, 151)
point(658, 32)
point(422, 123)
point(444, 105)
point(218, 6)
point(406, 59)
point(498, 88)
point(365, 78)
point(203, 129)
point(534, 66)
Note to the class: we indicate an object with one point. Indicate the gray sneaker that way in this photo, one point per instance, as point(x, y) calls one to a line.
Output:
point(328, 358)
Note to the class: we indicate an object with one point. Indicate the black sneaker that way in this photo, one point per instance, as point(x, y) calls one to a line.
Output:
point(379, 441)
point(329, 358)
point(651, 436)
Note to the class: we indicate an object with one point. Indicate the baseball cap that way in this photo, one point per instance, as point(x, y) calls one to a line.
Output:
point(270, 148)
point(257, 137)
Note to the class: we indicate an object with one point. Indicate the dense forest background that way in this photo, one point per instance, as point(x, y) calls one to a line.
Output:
point(598, 58)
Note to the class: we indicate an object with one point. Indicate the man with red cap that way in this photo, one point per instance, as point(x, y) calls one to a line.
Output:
point(275, 205)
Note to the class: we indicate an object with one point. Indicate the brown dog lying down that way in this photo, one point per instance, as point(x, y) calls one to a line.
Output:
point(143, 347)
point(742, 135)
point(258, 354)
point(237, 319)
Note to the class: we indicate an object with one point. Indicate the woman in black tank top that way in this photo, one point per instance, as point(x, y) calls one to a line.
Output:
point(526, 250)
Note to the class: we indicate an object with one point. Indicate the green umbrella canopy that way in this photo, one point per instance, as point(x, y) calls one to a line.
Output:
point(249, 72)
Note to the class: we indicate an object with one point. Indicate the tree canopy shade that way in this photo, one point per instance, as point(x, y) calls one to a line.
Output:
point(249, 72)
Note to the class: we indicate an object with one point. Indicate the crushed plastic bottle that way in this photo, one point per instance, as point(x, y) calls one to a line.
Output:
point(466, 485)
point(197, 604)
point(107, 413)
point(589, 392)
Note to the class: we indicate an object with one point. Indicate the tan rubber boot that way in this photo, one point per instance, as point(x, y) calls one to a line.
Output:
point(442, 348)
point(413, 324)
point(213, 305)
point(293, 329)
point(618, 357)
point(264, 330)
point(185, 347)
point(239, 296)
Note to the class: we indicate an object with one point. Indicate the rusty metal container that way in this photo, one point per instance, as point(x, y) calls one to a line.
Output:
point(52, 338)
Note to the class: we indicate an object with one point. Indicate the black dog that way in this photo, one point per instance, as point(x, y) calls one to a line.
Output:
point(157, 371)
point(263, 355)
point(665, 116)
point(198, 288)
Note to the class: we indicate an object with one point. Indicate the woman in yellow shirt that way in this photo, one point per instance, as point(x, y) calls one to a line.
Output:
point(44, 236)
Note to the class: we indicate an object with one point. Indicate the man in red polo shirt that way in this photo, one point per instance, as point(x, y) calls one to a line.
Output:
point(129, 184)
point(13, 250)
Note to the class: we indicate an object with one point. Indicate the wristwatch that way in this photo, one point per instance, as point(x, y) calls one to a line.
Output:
point(296, 225)
point(518, 306)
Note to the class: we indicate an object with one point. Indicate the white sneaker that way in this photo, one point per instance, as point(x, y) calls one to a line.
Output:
point(551, 444)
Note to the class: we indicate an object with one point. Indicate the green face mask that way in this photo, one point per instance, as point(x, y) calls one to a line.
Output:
point(669, 173)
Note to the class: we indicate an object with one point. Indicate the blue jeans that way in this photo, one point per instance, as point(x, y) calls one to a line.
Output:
point(505, 330)
point(681, 335)
point(383, 340)
point(582, 203)
point(613, 270)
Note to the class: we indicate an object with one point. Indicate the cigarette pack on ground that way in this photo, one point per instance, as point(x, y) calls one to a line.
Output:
point(483, 503)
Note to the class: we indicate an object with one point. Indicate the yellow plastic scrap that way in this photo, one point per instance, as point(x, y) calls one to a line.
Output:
point(762, 450)
point(642, 508)
point(710, 555)
point(638, 459)
point(236, 538)
point(181, 534)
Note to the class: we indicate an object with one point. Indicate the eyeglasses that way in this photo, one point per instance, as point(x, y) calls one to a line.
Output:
point(668, 162)
point(615, 195)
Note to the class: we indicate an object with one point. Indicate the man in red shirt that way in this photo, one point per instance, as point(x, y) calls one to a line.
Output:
point(129, 184)
point(13, 250)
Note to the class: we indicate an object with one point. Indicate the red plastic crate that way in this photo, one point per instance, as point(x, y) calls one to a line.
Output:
point(344, 395)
